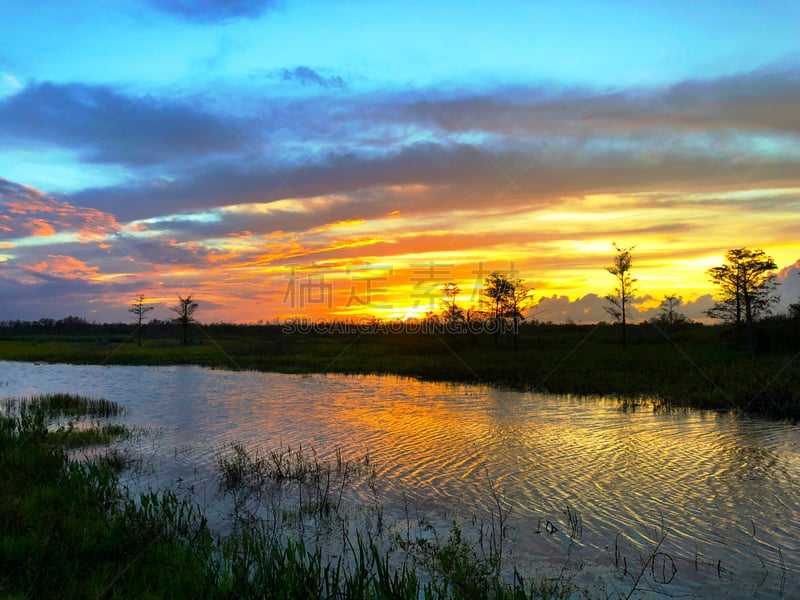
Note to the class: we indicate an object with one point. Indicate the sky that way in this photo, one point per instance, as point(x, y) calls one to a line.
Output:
point(281, 158)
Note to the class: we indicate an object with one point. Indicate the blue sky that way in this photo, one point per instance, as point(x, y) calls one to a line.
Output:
point(232, 138)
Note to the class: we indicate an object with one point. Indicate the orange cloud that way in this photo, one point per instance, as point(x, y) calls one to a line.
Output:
point(39, 228)
point(336, 225)
point(27, 212)
point(67, 267)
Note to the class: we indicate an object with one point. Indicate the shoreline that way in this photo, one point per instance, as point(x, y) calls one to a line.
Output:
point(697, 368)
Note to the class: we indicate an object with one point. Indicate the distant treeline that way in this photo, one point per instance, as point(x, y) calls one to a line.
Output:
point(79, 326)
point(772, 334)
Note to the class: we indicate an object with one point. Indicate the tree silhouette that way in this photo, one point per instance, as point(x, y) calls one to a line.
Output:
point(185, 310)
point(507, 299)
point(139, 309)
point(452, 312)
point(620, 300)
point(498, 290)
point(668, 315)
point(794, 309)
point(746, 289)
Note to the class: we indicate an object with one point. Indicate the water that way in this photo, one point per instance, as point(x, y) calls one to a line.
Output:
point(587, 484)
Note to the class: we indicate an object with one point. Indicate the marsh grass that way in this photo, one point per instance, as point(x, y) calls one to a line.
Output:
point(59, 418)
point(70, 436)
point(67, 530)
point(291, 494)
point(69, 405)
point(289, 487)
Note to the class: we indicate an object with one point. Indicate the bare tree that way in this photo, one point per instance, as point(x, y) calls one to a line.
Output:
point(619, 301)
point(185, 310)
point(139, 309)
point(746, 289)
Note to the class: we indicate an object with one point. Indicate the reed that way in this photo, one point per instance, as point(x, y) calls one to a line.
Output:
point(69, 531)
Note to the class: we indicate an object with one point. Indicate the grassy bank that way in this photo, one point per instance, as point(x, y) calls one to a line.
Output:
point(695, 366)
point(68, 531)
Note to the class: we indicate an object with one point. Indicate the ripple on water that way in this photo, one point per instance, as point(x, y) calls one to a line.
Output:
point(725, 487)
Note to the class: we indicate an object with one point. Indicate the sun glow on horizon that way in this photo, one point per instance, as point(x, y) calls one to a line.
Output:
point(286, 179)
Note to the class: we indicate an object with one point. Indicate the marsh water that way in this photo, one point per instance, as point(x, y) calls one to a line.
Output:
point(585, 482)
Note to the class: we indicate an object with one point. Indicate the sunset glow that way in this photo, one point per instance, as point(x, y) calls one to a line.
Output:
point(340, 159)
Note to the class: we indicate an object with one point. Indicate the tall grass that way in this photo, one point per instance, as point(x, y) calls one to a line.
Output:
point(66, 405)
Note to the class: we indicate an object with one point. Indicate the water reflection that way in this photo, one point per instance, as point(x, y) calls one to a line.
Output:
point(725, 487)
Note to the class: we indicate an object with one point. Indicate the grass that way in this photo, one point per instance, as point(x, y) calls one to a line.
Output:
point(46, 414)
point(693, 366)
point(67, 531)
point(67, 405)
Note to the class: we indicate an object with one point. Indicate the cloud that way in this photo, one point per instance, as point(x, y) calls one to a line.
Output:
point(473, 175)
point(551, 172)
point(789, 288)
point(308, 76)
point(67, 267)
point(762, 99)
point(162, 253)
point(27, 212)
point(213, 11)
point(591, 308)
point(105, 126)
point(57, 287)
point(536, 141)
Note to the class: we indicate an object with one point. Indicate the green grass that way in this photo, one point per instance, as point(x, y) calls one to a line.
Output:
point(694, 366)
point(67, 405)
point(68, 531)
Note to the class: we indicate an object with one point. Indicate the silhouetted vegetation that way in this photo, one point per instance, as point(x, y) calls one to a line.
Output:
point(668, 315)
point(451, 311)
point(185, 310)
point(703, 366)
point(619, 301)
point(678, 362)
point(139, 310)
point(507, 300)
point(794, 310)
point(746, 289)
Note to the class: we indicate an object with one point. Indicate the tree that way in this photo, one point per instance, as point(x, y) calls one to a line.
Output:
point(746, 286)
point(794, 310)
point(452, 313)
point(619, 301)
point(507, 299)
point(746, 289)
point(668, 315)
point(139, 309)
point(498, 290)
point(185, 311)
point(519, 302)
